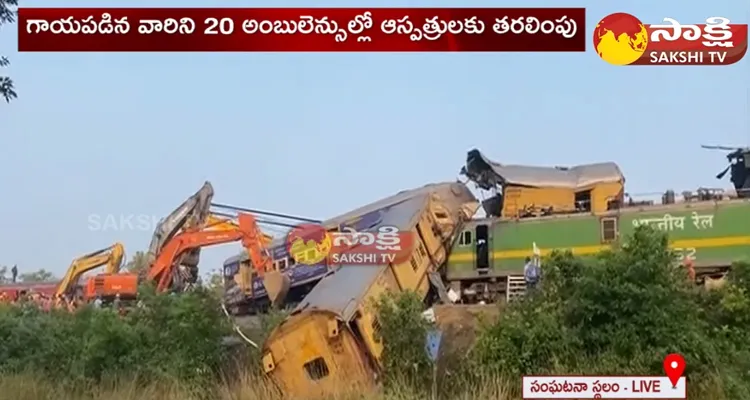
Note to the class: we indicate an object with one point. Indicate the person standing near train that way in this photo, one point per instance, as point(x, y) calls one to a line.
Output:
point(531, 273)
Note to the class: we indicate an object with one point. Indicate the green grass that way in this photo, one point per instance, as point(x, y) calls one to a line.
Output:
point(30, 387)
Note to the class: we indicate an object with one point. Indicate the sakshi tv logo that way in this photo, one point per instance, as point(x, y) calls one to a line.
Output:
point(622, 39)
point(312, 244)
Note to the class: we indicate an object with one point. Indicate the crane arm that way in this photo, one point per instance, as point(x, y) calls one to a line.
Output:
point(112, 256)
point(162, 269)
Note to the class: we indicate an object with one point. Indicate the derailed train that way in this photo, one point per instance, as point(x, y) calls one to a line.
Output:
point(332, 332)
point(304, 277)
point(330, 338)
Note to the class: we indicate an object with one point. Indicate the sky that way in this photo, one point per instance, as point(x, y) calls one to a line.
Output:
point(104, 137)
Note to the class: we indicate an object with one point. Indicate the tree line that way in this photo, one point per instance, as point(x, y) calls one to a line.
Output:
point(41, 275)
point(137, 263)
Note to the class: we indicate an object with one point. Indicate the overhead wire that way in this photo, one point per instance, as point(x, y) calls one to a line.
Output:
point(265, 213)
point(259, 220)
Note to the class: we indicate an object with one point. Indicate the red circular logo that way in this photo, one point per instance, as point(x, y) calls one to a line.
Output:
point(308, 243)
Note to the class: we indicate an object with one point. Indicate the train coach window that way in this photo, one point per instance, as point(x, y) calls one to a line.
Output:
point(465, 238)
point(422, 251)
point(441, 214)
point(317, 369)
point(609, 229)
point(231, 269)
point(376, 329)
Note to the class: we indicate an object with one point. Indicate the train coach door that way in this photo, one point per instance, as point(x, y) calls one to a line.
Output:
point(482, 247)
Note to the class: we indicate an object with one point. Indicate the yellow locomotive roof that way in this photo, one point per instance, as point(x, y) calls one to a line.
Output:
point(488, 173)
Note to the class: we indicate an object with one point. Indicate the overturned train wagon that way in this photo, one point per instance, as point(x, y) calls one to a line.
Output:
point(330, 341)
point(303, 277)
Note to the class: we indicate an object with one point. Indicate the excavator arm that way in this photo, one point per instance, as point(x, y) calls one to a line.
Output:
point(246, 231)
point(163, 269)
point(277, 284)
point(191, 213)
point(112, 256)
point(216, 222)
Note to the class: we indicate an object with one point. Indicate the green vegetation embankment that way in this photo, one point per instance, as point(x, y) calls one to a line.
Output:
point(618, 315)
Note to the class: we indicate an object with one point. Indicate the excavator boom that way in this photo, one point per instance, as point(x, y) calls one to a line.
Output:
point(212, 231)
point(191, 212)
point(219, 222)
point(112, 257)
point(162, 270)
point(277, 284)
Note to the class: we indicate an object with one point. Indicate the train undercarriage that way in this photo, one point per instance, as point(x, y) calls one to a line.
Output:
point(507, 288)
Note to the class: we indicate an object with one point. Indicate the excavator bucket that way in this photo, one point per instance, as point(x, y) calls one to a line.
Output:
point(277, 286)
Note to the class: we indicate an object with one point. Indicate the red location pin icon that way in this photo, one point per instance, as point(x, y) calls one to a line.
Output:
point(674, 366)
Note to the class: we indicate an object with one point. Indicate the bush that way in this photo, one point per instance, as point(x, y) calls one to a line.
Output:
point(170, 338)
point(618, 314)
point(403, 334)
point(621, 314)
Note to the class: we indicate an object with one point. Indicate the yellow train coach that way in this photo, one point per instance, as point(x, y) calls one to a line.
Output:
point(329, 341)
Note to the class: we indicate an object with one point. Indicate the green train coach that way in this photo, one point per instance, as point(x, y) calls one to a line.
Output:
point(486, 262)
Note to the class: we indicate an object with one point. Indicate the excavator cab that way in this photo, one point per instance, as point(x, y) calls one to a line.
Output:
point(108, 286)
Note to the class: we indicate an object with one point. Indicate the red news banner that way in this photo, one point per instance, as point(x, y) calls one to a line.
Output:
point(302, 29)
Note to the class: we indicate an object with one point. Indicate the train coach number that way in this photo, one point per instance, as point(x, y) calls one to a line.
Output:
point(686, 253)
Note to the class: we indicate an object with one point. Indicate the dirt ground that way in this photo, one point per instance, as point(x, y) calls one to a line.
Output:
point(248, 323)
point(460, 324)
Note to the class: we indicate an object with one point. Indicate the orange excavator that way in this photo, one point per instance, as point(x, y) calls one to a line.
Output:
point(247, 231)
point(191, 213)
point(174, 252)
point(165, 267)
point(111, 256)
